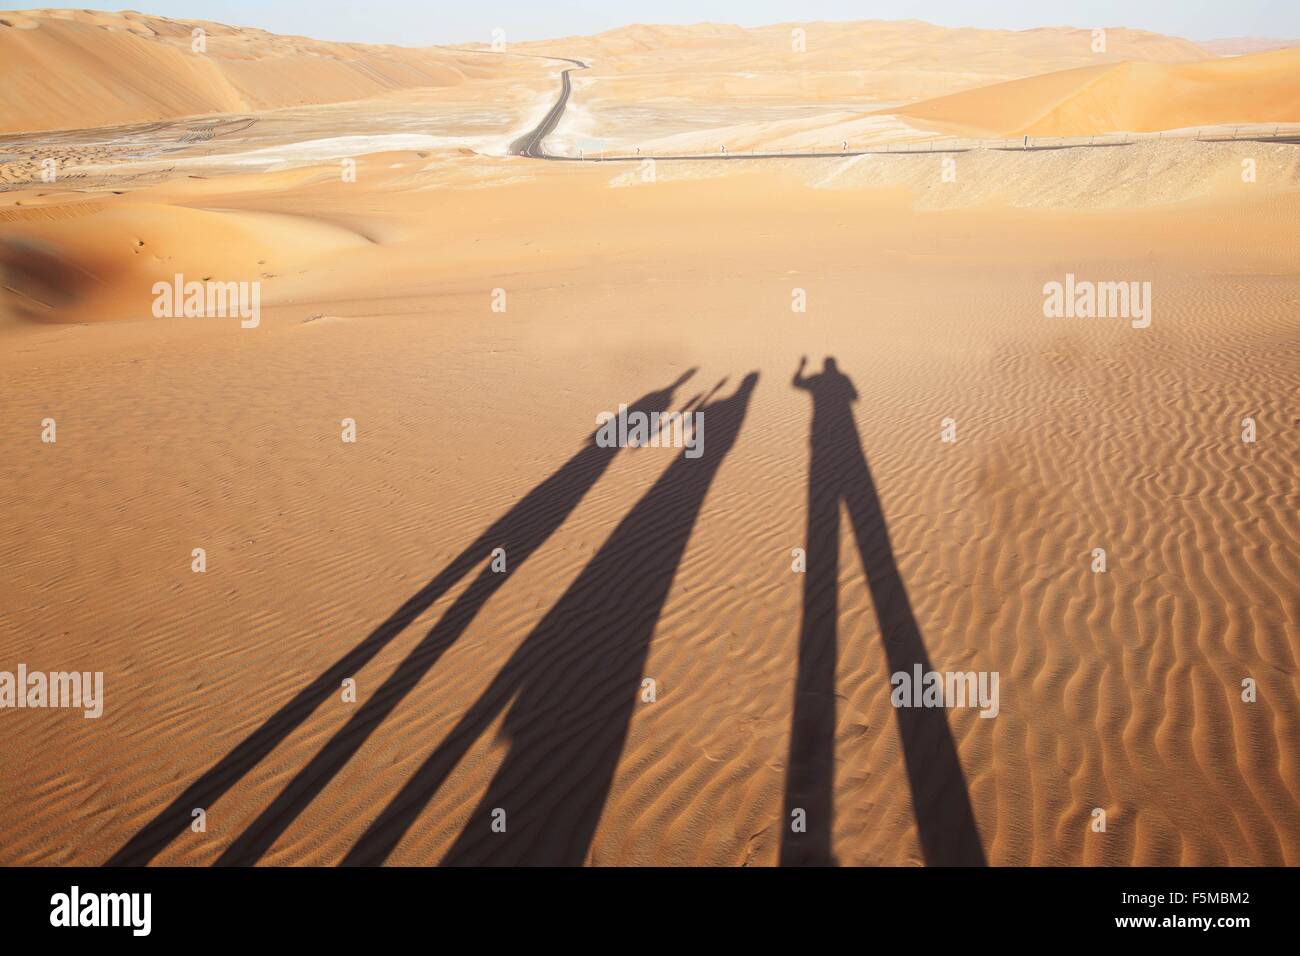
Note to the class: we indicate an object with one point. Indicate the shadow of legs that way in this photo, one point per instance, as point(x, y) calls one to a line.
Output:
point(572, 685)
point(520, 531)
point(838, 471)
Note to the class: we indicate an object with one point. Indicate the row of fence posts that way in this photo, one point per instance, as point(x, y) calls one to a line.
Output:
point(935, 146)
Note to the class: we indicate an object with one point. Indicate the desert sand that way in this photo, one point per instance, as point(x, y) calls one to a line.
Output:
point(1258, 89)
point(75, 69)
point(1235, 46)
point(522, 688)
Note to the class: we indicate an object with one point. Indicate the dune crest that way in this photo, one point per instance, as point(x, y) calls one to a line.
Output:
point(1132, 96)
point(76, 69)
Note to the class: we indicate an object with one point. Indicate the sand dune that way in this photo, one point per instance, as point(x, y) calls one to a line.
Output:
point(1071, 435)
point(1141, 176)
point(97, 261)
point(74, 69)
point(695, 88)
point(1235, 46)
point(882, 59)
point(66, 258)
point(1140, 97)
point(371, 561)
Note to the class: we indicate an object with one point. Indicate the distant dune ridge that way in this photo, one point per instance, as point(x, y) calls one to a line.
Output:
point(1235, 46)
point(71, 69)
point(907, 45)
point(884, 61)
point(1141, 97)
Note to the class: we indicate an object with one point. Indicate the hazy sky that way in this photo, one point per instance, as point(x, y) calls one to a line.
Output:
point(421, 22)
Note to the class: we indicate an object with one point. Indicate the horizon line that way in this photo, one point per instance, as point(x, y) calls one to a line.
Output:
point(652, 25)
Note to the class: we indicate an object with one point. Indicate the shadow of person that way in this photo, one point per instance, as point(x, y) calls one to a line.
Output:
point(572, 685)
point(838, 472)
point(520, 531)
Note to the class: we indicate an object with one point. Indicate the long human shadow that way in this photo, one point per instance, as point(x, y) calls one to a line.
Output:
point(838, 472)
point(311, 780)
point(571, 686)
point(520, 531)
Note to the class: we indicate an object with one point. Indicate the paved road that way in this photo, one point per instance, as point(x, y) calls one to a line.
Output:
point(530, 144)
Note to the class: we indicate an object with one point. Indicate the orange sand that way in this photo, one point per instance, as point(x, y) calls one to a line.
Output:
point(371, 560)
